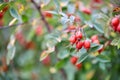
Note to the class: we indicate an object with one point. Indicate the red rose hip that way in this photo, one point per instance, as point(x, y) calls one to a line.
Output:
point(79, 35)
point(115, 22)
point(118, 28)
point(87, 44)
point(79, 45)
point(73, 39)
point(94, 37)
point(73, 59)
point(78, 66)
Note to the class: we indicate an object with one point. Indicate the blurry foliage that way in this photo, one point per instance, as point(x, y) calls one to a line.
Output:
point(29, 52)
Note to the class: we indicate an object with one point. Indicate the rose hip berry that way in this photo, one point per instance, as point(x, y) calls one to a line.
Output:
point(118, 28)
point(115, 22)
point(87, 44)
point(72, 39)
point(78, 66)
point(94, 37)
point(97, 1)
point(73, 60)
point(79, 35)
point(86, 11)
point(79, 45)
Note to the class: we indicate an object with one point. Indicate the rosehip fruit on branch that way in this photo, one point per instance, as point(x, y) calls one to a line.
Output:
point(72, 39)
point(47, 14)
point(98, 1)
point(79, 35)
point(115, 22)
point(38, 30)
point(86, 11)
point(94, 37)
point(87, 44)
point(79, 45)
point(78, 66)
point(47, 61)
point(118, 28)
point(73, 59)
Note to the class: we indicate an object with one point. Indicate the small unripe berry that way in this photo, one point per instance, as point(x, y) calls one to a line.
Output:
point(79, 35)
point(78, 66)
point(73, 39)
point(79, 45)
point(73, 59)
point(87, 44)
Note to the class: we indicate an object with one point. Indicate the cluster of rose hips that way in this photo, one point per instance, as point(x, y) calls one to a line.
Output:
point(115, 24)
point(73, 60)
point(77, 40)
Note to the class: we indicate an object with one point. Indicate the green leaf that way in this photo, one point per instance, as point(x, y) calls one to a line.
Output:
point(2, 6)
point(102, 66)
point(11, 49)
point(63, 53)
point(1, 1)
point(82, 57)
point(57, 4)
point(83, 50)
point(43, 55)
point(103, 58)
point(11, 54)
point(64, 20)
point(94, 45)
point(61, 63)
point(95, 48)
point(14, 13)
point(72, 19)
point(98, 27)
point(83, 17)
point(53, 12)
point(116, 42)
point(71, 8)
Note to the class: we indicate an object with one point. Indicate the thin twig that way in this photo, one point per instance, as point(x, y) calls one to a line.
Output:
point(63, 73)
point(6, 27)
point(42, 16)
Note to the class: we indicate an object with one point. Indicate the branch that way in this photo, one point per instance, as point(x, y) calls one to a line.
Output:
point(63, 73)
point(1, 27)
point(42, 16)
